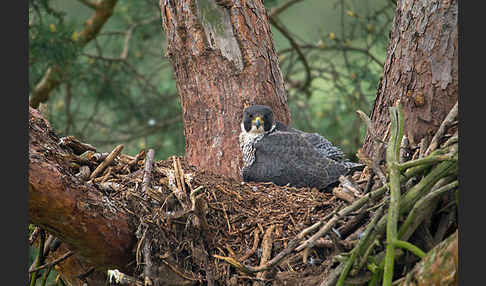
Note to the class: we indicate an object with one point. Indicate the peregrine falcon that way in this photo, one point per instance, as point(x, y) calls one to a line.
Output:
point(274, 152)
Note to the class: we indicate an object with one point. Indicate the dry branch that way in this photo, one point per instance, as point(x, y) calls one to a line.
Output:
point(50, 264)
point(451, 116)
point(147, 173)
point(111, 157)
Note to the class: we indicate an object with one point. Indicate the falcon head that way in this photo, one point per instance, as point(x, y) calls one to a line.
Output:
point(257, 119)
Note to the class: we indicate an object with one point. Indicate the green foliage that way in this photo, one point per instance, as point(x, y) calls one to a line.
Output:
point(50, 41)
point(108, 97)
point(346, 62)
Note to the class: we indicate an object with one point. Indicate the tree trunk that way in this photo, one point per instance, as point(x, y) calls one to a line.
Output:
point(421, 69)
point(71, 209)
point(224, 60)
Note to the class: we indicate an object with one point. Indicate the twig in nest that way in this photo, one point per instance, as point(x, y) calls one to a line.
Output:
point(416, 215)
point(226, 217)
point(85, 274)
point(256, 240)
point(370, 182)
point(77, 146)
point(140, 243)
point(177, 270)
point(147, 172)
point(115, 276)
point(84, 173)
point(372, 164)
point(137, 158)
point(369, 127)
point(149, 271)
point(343, 194)
point(340, 214)
point(422, 145)
point(353, 224)
point(193, 196)
point(179, 174)
point(107, 161)
point(434, 143)
point(331, 279)
point(106, 174)
point(39, 258)
point(404, 150)
point(359, 247)
point(199, 207)
point(178, 188)
point(34, 235)
point(267, 243)
point(350, 185)
point(66, 255)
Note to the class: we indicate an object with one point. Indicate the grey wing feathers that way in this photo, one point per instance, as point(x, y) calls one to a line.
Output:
point(288, 158)
point(323, 145)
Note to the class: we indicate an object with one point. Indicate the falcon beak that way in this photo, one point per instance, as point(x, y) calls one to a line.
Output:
point(258, 122)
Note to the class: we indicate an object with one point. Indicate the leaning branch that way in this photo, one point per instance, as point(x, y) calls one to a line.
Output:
point(293, 43)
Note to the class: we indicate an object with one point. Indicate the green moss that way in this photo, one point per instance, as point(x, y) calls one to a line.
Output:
point(211, 15)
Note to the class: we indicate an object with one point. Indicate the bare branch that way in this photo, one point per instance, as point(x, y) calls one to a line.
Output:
point(286, 34)
point(69, 253)
point(442, 129)
point(277, 10)
point(337, 48)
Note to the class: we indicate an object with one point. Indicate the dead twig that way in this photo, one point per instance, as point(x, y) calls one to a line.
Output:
point(451, 116)
point(54, 262)
point(369, 127)
point(115, 276)
point(77, 146)
point(138, 157)
point(343, 194)
point(267, 243)
point(111, 157)
point(256, 240)
point(147, 172)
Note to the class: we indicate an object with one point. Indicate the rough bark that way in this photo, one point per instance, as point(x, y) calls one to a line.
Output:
point(69, 208)
point(421, 69)
point(224, 60)
point(438, 267)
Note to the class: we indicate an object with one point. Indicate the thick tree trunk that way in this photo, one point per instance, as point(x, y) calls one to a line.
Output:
point(70, 209)
point(224, 60)
point(421, 69)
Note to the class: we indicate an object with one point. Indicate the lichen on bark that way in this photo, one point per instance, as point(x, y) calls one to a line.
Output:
point(216, 22)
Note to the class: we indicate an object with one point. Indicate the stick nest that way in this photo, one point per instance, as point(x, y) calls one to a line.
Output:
point(226, 219)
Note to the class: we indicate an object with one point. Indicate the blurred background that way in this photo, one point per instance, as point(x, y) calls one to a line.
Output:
point(119, 88)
